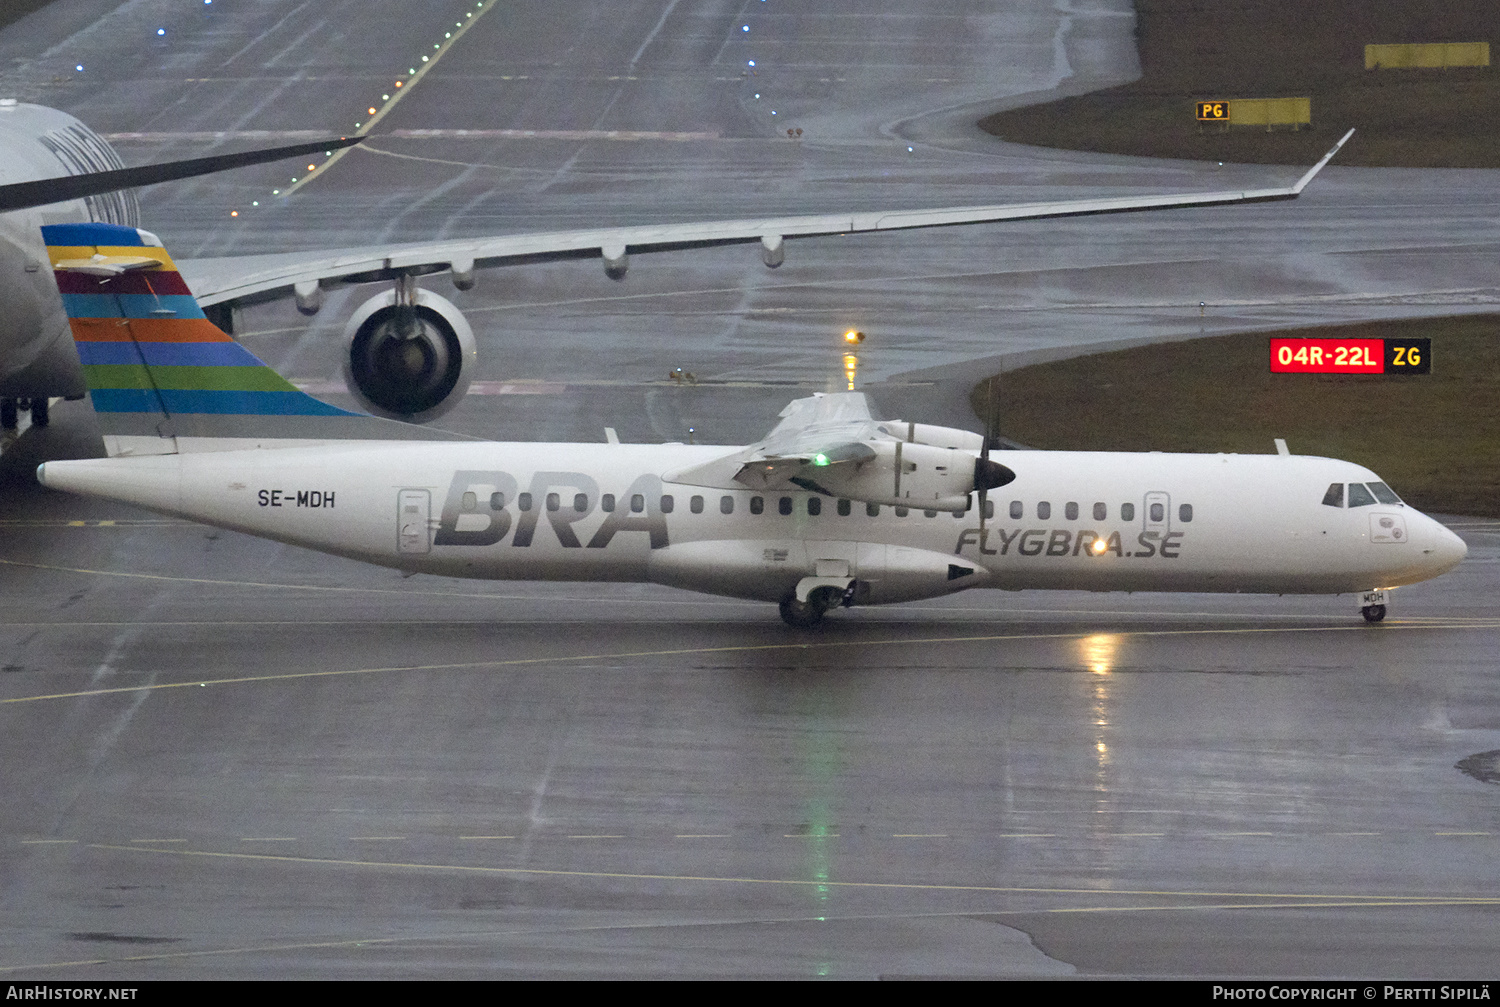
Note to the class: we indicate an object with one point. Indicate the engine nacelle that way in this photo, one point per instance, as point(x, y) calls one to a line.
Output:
point(409, 361)
point(910, 475)
point(938, 437)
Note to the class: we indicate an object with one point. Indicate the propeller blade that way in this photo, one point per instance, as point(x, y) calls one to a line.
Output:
point(24, 195)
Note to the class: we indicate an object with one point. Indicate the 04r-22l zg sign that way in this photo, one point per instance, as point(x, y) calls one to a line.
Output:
point(1351, 356)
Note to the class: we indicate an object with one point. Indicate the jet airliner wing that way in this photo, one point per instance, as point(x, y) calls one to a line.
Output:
point(219, 280)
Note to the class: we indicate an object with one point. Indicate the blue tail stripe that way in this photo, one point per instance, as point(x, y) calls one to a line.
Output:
point(133, 306)
point(138, 400)
point(76, 235)
point(169, 354)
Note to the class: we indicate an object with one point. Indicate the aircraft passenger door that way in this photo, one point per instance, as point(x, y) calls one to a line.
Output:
point(413, 509)
point(1158, 513)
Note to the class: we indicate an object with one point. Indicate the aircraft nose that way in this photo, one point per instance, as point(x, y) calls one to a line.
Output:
point(1448, 550)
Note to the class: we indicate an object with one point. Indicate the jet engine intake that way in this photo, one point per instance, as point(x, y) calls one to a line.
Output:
point(409, 355)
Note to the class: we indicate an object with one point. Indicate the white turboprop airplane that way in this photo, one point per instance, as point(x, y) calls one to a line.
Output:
point(832, 508)
point(409, 352)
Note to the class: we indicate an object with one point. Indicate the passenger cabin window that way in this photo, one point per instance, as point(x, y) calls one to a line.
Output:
point(1070, 511)
point(1185, 513)
point(696, 505)
point(902, 512)
point(1127, 512)
point(989, 509)
point(524, 501)
point(1101, 512)
point(872, 510)
point(845, 508)
point(784, 506)
point(580, 502)
point(1158, 512)
point(667, 503)
point(1335, 496)
point(757, 505)
point(1016, 510)
point(814, 506)
point(1384, 493)
point(726, 505)
point(929, 513)
point(607, 503)
point(1044, 510)
point(497, 501)
point(1359, 496)
point(637, 503)
point(469, 501)
point(553, 503)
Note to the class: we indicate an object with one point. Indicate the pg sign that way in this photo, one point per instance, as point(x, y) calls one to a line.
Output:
point(1213, 111)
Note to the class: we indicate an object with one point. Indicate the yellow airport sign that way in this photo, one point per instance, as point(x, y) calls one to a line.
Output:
point(1427, 55)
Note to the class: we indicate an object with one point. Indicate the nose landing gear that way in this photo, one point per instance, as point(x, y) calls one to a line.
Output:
point(1373, 613)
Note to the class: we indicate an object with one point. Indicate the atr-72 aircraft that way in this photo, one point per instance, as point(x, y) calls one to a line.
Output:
point(409, 352)
point(831, 508)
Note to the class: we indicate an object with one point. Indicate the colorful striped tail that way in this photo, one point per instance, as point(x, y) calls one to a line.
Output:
point(161, 376)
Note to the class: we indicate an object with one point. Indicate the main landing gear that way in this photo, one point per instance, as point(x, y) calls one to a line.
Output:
point(10, 412)
point(817, 595)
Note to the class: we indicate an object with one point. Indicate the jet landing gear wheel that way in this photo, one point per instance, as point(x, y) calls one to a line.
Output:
point(802, 614)
point(1373, 613)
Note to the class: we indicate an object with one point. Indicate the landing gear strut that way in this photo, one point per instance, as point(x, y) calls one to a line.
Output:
point(39, 415)
point(802, 614)
point(1373, 613)
point(8, 414)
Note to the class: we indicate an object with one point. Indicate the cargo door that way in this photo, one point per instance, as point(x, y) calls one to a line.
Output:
point(413, 509)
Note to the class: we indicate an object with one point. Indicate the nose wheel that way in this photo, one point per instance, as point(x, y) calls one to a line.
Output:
point(1373, 613)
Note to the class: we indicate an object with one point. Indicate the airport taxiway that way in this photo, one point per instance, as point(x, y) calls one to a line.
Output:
point(226, 757)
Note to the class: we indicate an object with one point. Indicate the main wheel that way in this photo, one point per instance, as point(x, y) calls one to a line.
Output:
point(1373, 613)
point(801, 614)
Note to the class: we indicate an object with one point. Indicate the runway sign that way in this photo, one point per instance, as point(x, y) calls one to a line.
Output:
point(1351, 356)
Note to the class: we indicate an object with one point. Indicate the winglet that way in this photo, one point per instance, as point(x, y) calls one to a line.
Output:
point(1302, 182)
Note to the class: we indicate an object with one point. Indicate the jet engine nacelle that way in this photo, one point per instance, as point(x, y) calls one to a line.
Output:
point(904, 474)
point(408, 361)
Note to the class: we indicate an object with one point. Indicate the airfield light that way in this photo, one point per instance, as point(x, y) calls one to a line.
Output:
point(234, 213)
point(744, 27)
point(424, 60)
point(385, 97)
point(371, 111)
point(78, 67)
point(275, 192)
point(820, 459)
point(161, 31)
point(255, 202)
point(398, 83)
point(752, 62)
point(446, 34)
point(310, 167)
point(854, 336)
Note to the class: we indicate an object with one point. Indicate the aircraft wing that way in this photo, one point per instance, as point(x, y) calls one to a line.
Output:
point(217, 280)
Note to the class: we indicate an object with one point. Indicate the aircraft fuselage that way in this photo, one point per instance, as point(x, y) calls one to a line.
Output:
point(604, 512)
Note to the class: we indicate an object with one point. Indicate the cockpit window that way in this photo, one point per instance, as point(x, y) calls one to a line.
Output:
point(1359, 496)
point(1384, 493)
point(1335, 496)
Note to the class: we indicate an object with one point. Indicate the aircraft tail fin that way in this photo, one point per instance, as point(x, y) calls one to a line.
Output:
point(161, 376)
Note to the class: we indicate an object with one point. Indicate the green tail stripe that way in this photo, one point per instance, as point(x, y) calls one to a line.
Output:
point(218, 379)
